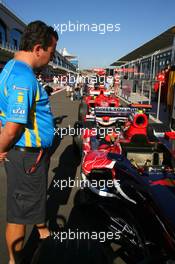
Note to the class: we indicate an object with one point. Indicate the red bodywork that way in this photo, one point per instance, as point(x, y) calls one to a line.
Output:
point(101, 100)
point(98, 158)
point(137, 126)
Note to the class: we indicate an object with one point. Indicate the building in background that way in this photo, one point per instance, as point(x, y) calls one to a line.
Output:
point(150, 58)
point(11, 28)
point(71, 58)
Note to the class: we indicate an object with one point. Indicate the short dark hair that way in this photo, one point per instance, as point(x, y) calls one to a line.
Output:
point(37, 32)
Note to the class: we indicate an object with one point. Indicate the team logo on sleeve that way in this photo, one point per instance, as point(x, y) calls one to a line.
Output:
point(19, 111)
point(20, 97)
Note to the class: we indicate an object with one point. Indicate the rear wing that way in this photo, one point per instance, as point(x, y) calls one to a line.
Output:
point(97, 92)
point(113, 111)
point(121, 111)
point(145, 107)
point(118, 113)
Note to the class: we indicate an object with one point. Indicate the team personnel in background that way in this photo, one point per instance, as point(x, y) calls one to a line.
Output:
point(27, 134)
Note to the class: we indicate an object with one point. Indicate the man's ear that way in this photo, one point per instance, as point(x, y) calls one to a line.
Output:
point(37, 48)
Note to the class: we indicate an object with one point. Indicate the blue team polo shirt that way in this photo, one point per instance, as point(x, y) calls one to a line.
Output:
point(23, 100)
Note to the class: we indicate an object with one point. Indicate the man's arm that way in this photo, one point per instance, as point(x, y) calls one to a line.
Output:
point(21, 96)
point(9, 134)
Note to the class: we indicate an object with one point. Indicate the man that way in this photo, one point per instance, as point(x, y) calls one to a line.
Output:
point(27, 133)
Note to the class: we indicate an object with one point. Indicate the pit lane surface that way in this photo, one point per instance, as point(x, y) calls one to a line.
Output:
point(64, 164)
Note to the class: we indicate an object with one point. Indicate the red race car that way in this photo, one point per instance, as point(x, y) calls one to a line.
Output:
point(89, 103)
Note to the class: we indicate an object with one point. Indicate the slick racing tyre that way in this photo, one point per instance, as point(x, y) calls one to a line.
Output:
point(82, 111)
point(77, 140)
point(52, 250)
point(130, 240)
point(77, 145)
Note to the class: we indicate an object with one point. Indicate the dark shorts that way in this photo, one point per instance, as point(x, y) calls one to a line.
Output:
point(26, 192)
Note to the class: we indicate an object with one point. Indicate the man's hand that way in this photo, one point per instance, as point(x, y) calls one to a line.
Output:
point(3, 156)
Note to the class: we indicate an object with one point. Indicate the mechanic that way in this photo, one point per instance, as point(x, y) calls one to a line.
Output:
point(26, 135)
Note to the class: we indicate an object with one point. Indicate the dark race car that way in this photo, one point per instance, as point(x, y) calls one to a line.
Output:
point(129, 177)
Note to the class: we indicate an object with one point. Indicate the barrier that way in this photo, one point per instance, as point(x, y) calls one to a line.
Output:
point(136, 91)
point(140, 91)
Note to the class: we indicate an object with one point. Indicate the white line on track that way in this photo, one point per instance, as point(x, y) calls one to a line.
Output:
point(60, 90)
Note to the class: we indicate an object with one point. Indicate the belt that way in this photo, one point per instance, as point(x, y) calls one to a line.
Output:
point(40, 151)
point(28, 149)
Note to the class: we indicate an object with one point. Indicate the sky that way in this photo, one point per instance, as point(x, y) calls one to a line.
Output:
point(140, 21)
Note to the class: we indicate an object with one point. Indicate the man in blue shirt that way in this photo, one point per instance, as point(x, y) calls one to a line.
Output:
point(26, 134)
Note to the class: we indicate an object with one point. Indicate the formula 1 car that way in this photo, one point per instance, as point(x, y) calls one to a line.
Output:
point(137, 197)
point(95, 91)
point(91, 101)
point(105, 118)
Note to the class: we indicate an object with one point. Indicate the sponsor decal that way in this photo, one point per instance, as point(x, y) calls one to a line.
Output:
point(20, 98)
point(20, 88)
point(18, 111)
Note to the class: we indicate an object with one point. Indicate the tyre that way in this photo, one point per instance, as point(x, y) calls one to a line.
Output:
point(123, 237)
point(159, 127)
point(129, 236)
point(89, 124)
point(77, 145)
point(84, 197)
point(70, 251)
point(77, 140)
point(82, 111)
